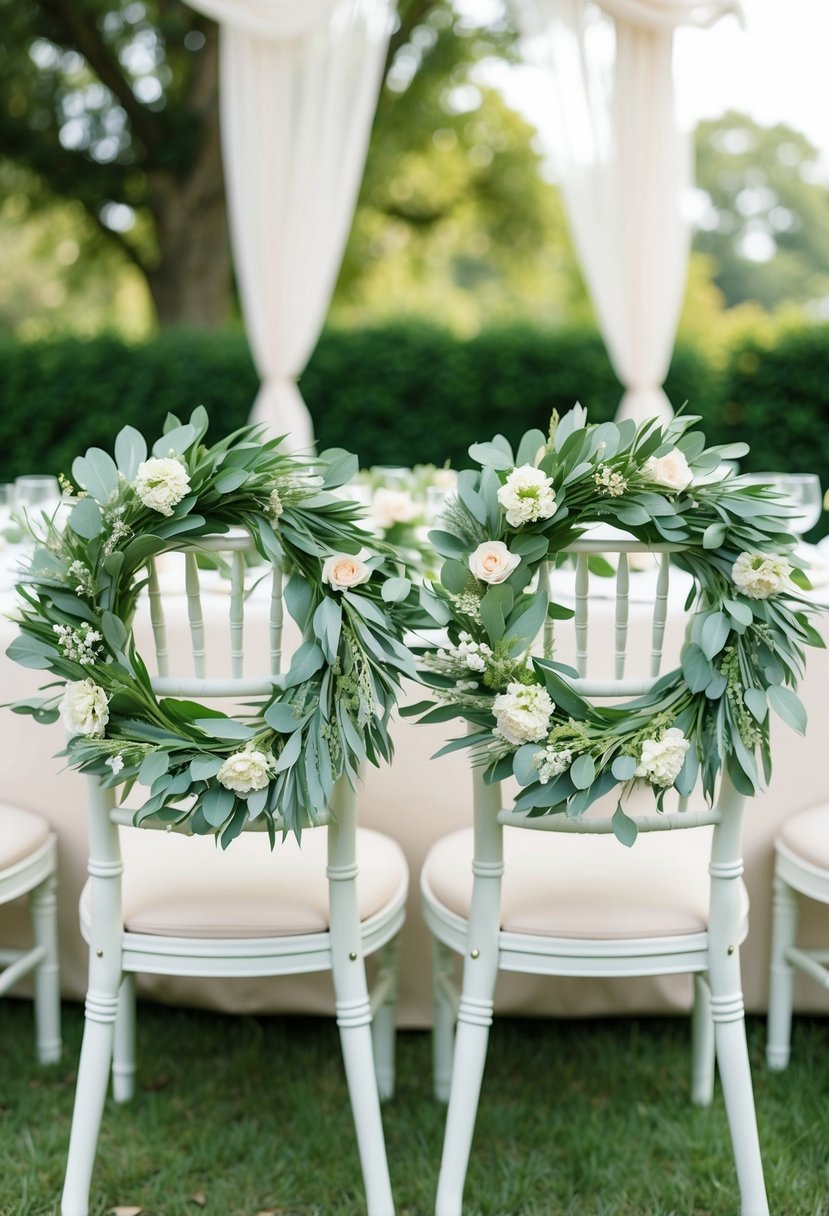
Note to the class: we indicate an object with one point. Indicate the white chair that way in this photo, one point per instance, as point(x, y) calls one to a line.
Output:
point(28, 867)
point(801, 867)
point(559, 897)
point(166, 903)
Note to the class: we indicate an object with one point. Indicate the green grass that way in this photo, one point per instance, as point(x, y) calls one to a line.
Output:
point(239, 1116)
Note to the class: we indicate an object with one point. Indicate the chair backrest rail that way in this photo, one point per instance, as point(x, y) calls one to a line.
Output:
point(123, 817)
point(667, 821)
point(189, 686)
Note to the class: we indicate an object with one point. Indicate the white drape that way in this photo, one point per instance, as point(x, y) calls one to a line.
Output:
point(624, 168)
point(299, 84)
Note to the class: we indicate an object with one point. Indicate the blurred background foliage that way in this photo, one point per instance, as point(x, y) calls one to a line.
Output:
point(459, 308)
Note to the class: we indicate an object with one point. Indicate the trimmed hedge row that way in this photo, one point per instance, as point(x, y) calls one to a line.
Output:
point(404, 393)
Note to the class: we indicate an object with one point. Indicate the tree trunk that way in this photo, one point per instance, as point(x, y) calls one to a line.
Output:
point(191, 281)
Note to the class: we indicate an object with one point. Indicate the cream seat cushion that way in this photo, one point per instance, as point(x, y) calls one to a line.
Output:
point(180, 886)
point(21, 833)
point(806, 835)
point(586, 887)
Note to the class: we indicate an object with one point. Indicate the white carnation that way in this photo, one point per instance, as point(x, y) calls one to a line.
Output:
point(671, 470)
point(492, 561)
point(245, 771)
point(759, 575)
point(161, 482)
point(522, 713)
point(662, 758)
point(527, 495)
point(84, 708)
point(390, 507)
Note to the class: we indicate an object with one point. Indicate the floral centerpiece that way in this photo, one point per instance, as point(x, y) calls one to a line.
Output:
point(748, 623)
point(351, 597)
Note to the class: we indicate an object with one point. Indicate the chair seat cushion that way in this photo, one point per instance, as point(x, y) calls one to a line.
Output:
point(586, 887)
point(181, 886)
point(806, 835)
point(21, 833)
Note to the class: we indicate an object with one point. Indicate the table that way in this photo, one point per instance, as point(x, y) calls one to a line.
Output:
point(417, 800)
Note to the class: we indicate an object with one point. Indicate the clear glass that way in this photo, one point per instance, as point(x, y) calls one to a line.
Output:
point(393, 477)
point(6, 504)
point(803, 494)
point(35, 493)
point(803, 490)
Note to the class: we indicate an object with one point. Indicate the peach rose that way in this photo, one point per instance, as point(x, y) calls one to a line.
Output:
point(492, 562)
point(344, 570)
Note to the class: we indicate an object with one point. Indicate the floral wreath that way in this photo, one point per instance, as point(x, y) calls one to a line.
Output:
point(743, 652)
point(326, 715)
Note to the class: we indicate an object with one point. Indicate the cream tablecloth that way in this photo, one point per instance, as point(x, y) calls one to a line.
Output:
point(416, 800)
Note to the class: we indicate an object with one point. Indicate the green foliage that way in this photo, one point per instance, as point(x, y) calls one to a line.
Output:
point(406, 393)
point(324, 716)
point(591, 1117)
point(767, 219)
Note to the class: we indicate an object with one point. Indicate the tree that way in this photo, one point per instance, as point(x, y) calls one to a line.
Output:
point(116, 106)
point(455, 217)
point(765, 214)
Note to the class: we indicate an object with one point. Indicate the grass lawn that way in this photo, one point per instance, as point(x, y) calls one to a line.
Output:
point(250, 1117)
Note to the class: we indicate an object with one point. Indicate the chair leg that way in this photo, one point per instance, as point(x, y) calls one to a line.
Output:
point(384, 1023)
point(354, 1022)
point(43, 909)
point(471, 1041)
point(90, 1095)
point(781, 977)
point(444, 1011)
point(123, 1053)
point(702, 1044)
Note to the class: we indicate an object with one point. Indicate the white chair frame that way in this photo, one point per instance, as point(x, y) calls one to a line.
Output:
point(712, 956)
point(35, 876)
point(793, 876)
point(366, 1021)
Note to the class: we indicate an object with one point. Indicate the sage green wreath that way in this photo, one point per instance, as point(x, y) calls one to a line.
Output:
point(326, 715)
point(744, 650)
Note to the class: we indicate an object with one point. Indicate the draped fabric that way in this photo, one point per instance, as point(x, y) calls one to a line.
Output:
point(624, 169)
point(298, 89)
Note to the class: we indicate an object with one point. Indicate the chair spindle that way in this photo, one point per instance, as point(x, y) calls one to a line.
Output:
point(622, 604)
point(195, 614)
point(276, 619)
point(158, 622)
point(237, 612)
point(660, 611)
point(582, 590)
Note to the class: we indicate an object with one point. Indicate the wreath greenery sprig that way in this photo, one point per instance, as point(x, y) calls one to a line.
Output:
point(744, 649)
point(351, 598)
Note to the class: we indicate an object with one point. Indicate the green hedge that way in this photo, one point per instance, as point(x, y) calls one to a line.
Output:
point(404, 393)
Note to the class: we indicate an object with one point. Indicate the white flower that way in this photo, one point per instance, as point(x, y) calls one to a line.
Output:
point(522, 713)
point(472, 654)
point(445, 479)
point(275, 506)
point(671, 470)
point(83, 644)
point(161, 482)
point(759, 575)
point(608, 481)
point(84, 708)
point(492, 561)
point(245, 771)
point(527, 495)
point(550, 762)
point(662, 758)
point(344, 570)
point(390, 507)
point(116, 763)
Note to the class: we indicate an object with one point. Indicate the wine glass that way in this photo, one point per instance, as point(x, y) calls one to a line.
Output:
point(37, 493)
point(6, 503)
point(803, 492)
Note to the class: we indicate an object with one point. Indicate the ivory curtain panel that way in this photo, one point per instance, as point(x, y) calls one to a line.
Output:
point(623, 167)
point(299, 83)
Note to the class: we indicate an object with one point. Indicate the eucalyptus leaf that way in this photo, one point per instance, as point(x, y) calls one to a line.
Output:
point(130, 451)
point(625, 829)
point(85, 519)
